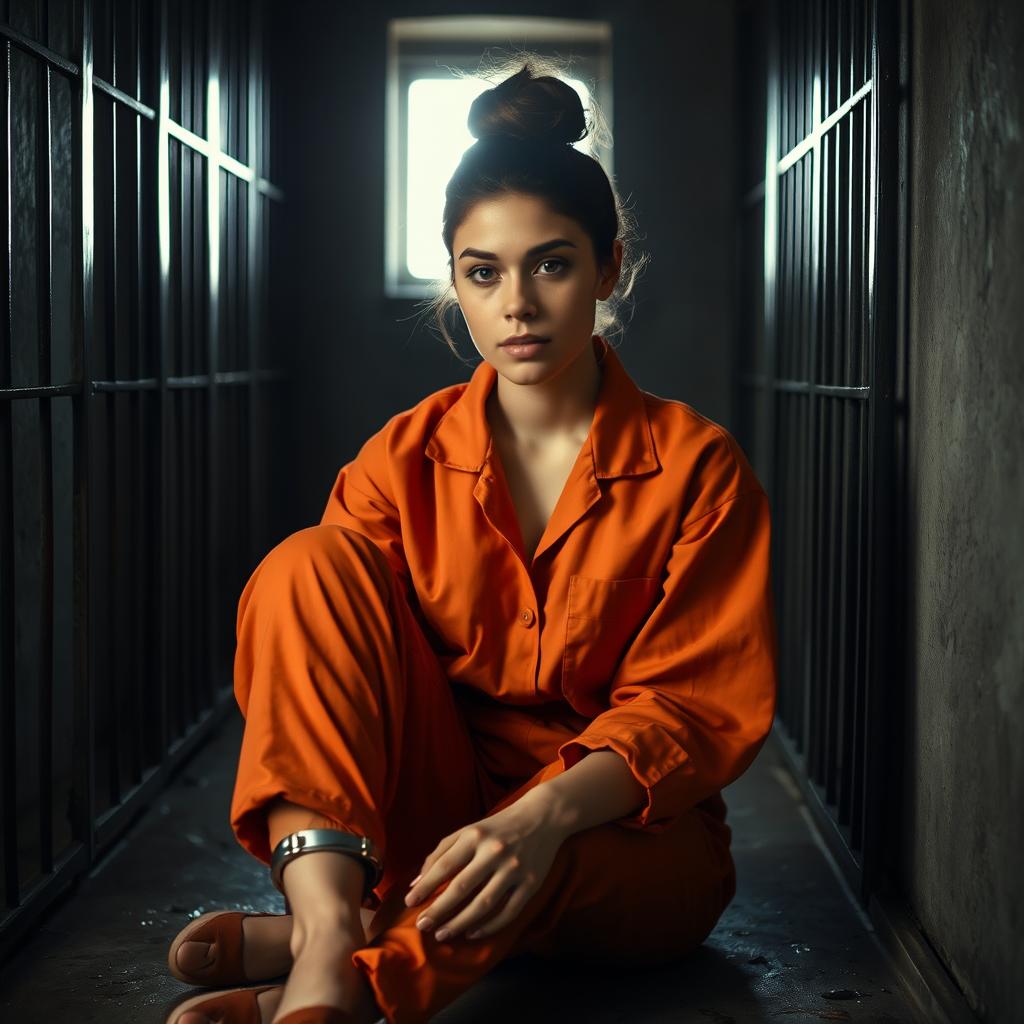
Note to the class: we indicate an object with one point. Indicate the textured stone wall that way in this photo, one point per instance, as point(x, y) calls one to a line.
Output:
point(964, 828)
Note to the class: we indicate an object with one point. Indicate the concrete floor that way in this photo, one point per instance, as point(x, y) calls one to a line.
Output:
point(791, 946)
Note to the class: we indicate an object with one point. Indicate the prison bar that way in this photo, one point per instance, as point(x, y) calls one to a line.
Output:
point(816, 398)
point(136, 376)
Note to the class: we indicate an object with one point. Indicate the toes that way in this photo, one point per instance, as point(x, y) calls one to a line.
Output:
point(192, 957)
point(193, 1017)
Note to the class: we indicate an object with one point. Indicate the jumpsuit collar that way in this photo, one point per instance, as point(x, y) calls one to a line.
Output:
point(621, 442)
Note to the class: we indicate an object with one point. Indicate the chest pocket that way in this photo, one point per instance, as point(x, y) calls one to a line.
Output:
point(603, 618)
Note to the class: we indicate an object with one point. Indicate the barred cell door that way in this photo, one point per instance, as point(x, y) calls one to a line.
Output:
point(821, 223)
point(136, 372)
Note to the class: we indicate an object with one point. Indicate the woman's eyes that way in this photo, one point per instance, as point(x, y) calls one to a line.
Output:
point(559, 263)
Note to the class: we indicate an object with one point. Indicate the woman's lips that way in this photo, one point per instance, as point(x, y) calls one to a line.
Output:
point(524, 349)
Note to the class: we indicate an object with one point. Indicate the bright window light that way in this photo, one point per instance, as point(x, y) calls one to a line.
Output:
point(437, 138)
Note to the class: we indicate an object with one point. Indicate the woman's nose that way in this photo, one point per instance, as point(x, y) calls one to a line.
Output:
point(519, 301)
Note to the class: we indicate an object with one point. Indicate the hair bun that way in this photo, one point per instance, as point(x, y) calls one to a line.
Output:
point(540, 109)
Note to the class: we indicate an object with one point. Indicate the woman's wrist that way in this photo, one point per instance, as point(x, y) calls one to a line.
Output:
point(599, 788)
point(552, 809)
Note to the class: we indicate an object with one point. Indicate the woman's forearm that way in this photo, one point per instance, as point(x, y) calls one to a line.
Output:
point(598, 788)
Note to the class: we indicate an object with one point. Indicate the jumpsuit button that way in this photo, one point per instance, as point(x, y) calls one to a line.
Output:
point(526, 617)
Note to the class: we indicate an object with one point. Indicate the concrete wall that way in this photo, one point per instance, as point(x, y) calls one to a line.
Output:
point(355, 357)
point(963, 836)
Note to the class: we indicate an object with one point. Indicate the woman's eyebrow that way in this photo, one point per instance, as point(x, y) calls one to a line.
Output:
point(535, 251)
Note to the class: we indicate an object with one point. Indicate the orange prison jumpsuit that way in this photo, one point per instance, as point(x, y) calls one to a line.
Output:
point(404, 670)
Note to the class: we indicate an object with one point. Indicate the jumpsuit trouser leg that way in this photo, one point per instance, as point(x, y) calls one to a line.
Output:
point(348, 712)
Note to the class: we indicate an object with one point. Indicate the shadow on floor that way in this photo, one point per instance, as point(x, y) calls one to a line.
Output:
point(791, 947)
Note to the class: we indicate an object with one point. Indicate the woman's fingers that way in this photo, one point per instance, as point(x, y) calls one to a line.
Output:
point(433, 872)
point(461, 888)
point(517, 900)
point(450, 856)
point(477, 868)
point(485, 903)
point(481, 868)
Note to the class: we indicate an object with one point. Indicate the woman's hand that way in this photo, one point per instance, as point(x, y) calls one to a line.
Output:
point(506, 854)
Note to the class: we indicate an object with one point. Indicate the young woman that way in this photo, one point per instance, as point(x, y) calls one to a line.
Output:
point(492, 697)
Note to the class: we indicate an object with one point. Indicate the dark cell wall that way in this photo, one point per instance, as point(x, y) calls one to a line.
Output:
point(963, 828)
point(355, 357)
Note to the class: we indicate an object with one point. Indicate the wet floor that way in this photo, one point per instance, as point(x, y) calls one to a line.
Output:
point(791, 947)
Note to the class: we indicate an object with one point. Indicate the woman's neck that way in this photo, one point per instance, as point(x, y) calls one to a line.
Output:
point(534, 415)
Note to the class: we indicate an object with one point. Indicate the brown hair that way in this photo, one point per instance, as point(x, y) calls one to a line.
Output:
point(525, 127)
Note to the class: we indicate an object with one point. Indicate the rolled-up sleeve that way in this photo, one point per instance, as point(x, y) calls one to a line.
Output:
point(692, 701)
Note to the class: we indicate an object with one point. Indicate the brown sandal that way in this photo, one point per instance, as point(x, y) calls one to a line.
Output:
point(223, 930)
point(239, 1006)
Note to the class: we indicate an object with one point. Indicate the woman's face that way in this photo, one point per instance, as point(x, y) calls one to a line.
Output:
point(520, 268)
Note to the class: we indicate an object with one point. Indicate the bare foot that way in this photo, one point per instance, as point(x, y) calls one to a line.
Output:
point(323, 974)
point(266, 950)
